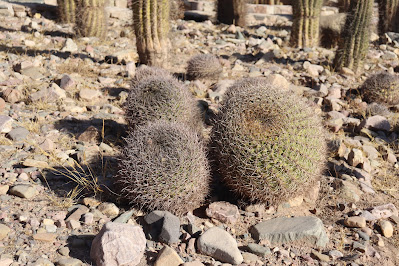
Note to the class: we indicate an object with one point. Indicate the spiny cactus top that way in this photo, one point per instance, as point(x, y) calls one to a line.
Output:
point(164, 167)
point(204, 66)
point(269, 143)
point(381, 88)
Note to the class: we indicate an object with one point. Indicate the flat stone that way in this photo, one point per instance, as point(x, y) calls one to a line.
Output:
point(118, 244)
point(384, 211)
point(124, 217)
point(51, 94)
point(5, 124)
point(33, 72)
point(223, 211)
point(355, 221)
point(249, 257)
point(4, 230)
point(219, 244)
point(164, 225)
point(4, 189)
point(376, 122)
point(193, 263)
point(320, 256)
point(77, 213)
point(386, 228)
point(109, 209)
point(89, 94)
point(23, 191)
point(259, 250)
point(70, 262)
point(168, 256)
point(35, 163)
point(285, 230)
point(18, 134)
point(45, 237)
point(42, 262)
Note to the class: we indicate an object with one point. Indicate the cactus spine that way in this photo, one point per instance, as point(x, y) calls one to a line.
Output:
point(305, 26)
point(232, 12)
point(91, 19)
point(151, 26)
point(66, 11)
point(352, 49)
point(388, 16)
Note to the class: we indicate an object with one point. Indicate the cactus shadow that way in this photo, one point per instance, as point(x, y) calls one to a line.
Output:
point(46, 11)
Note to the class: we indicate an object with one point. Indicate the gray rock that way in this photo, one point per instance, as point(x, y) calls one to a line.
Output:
point(124, 217)
point(219, 244)
point(18, 134)
point(259, 250)
point(164, 225)
point(285, 230)
point(23, 191)
point(118, 244)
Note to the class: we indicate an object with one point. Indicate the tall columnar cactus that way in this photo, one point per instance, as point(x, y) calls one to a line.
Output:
point(305, 26)
point(232, 12)
point(269, 144)
point(91, 19)
point(388, 16)
point(66, 11)
point(151, 26)
point(354, 44)
point(343, 5)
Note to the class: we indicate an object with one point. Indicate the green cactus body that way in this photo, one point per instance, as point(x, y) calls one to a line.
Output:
point(232, 12)
point(305, 26)
point(269, 144)
point(66, 11)
point(388, 16)
point(151, 26)
point(354, 44)
point(91, 18)
point(164, 167)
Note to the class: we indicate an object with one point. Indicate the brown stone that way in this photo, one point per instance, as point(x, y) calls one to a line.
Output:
point(223, 211)
point(45, 237)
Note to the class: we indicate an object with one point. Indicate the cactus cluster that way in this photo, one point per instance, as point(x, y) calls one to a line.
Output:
point(161, 98)
point(388, 16)
point(305, 25)
point(66, 11)
point(354, 43)
point(204, 66)
point(269, 144)
point(164, 167)
point(151, 26)
point(91, 19)
point(382, 88)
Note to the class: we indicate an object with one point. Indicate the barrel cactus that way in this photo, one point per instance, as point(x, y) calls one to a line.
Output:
point(305, 25)
point(354, 43)
point(269, 144)
point(144, 72)
point(161, 98)
point(164, 167)
point(204, 66)
point(381, 88)
point(388, 16)
point(151, 27)
point(91, 18)
point(66, 11)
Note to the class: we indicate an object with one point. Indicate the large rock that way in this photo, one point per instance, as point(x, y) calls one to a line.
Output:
point(118, 244)
point(164, 225)
point(376, 122)
point(223, 211)
point(284, 230)
point(219, 244)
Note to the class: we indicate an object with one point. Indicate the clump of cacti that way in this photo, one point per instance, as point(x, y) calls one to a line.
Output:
point(354, 43)
point(164, 167)
point(144, 72)
point(269, 143)
point(151, 27)
point(163, 98)
point(305, 24)
point(388, 16)
point(66, 11)
point(91, 18)
point(232, 12)
point(381, 88)
point(204, 66)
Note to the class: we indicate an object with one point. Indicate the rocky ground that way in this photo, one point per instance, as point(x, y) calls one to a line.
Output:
point(61, 107)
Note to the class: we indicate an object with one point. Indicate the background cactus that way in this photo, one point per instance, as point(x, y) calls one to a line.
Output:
point(204, 66)
point(66, 11)
point(164, 167)
point(388, 16)
point(381, 88)
point(231, 12)
point(270, 145)
point(91, 18)
point(305, 25)
point(151, 26)
point(354, 43)
point(161, 98)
